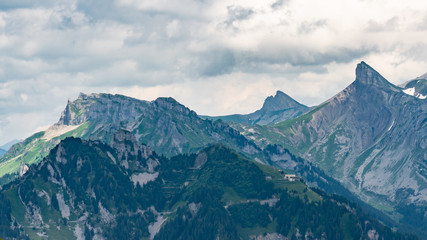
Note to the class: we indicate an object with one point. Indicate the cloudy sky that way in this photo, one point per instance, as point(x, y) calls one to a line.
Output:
point(214, 56)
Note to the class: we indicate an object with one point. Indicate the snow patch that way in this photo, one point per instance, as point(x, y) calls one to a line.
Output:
point(411, 92)
point(143, 178)
point(58, 130)
point(390, 126)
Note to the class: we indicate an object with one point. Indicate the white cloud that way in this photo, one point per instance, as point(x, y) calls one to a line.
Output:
point(217, 57)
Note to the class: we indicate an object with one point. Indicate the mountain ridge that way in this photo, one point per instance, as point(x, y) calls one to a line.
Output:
point(87, 189)
point(277, 108)
point(164, 124)
point(371, 137)
point(371, 130)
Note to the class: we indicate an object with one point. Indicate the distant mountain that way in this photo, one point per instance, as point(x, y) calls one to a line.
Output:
point(416, 87)
point(2, 152)
point(372, 137)
point(164, 124)
point(90, 190)
point(9, 144)
point(276, 109)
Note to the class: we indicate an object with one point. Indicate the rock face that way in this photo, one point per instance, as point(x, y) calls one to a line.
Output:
point(23, 169)
point(372, 137)
point(164, 124)
point(276, 109)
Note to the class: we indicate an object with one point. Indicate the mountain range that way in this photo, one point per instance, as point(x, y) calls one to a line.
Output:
point(89, 190)
point(367, 143)
point(165, 125)
point(371, 137)
point(277, 108)
point(9, 144)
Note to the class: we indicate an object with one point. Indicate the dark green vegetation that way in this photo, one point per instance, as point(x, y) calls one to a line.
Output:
point(125, 191)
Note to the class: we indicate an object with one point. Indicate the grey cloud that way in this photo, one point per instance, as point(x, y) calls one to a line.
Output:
point(237, 13)
point(423, 24)
point(311, 26)
point(14, 4)
point(279, 4)
point(417, 52)
point(98, 10)
point(215, 62)
point(389, 25)
point(299, 56)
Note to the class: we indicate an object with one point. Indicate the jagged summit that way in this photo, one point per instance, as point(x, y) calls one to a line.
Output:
point(277, 108)
point(365, 74)
point(66, 115)
point(280, 101)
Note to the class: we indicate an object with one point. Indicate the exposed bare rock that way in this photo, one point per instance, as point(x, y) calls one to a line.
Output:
point(23, 168)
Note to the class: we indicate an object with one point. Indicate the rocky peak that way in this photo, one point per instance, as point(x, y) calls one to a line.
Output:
point(366, 75)
point(168, 103)
point(84, 96)
point(66, 115)
point(279, 102)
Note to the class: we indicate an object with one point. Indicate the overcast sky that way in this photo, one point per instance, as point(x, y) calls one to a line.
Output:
point(216, 57)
